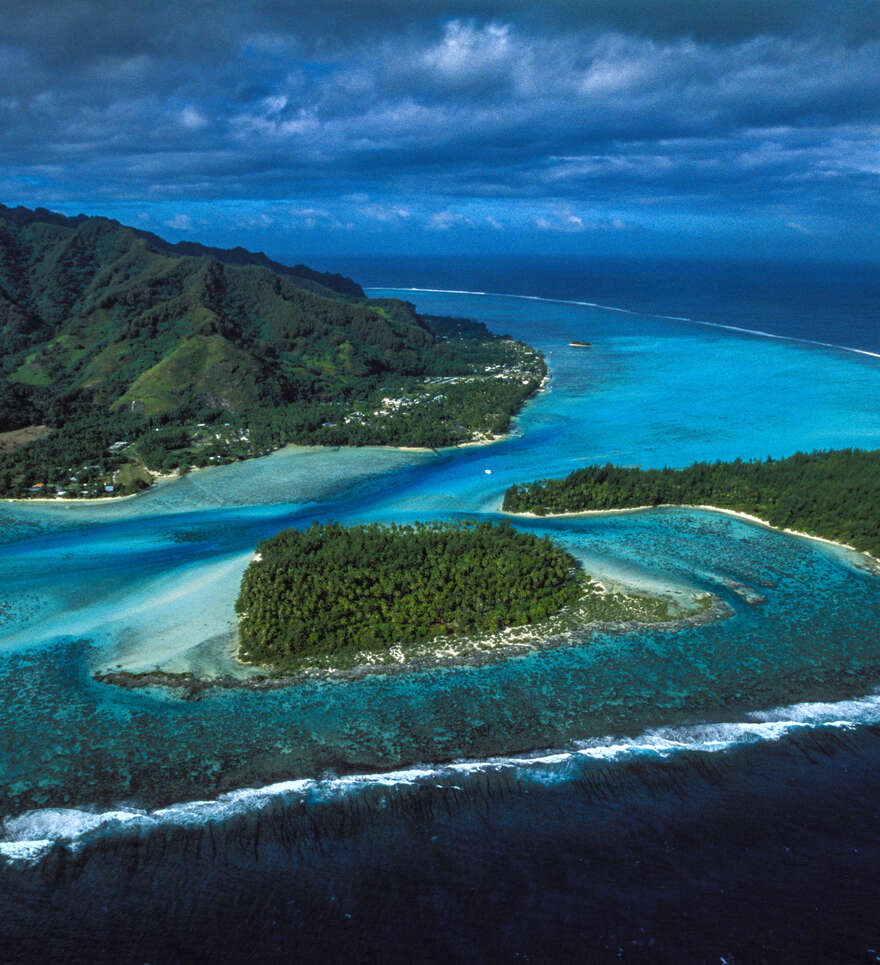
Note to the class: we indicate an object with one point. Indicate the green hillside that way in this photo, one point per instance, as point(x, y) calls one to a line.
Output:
point(108, 330)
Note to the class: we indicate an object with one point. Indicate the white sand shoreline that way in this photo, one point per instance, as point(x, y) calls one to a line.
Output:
point(172, 477)
point(874, 561)
point(474, 442)
point(158, 480)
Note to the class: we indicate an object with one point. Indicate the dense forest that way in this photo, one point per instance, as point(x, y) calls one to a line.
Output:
point(332, 589)
point(108, 334)
point(834, 494)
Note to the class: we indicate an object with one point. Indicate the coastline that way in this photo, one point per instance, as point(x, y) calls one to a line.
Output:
point(160, 479)
point(566, 628)
point(873, 561)
point(164, 480)
point(458, 445)
point(476, 442)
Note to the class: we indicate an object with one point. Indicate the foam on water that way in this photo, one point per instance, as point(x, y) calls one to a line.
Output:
point(29, 837)
point(185, 547)
point(527, 298)
point(759, 333)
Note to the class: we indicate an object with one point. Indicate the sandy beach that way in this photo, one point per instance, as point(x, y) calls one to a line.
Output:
point(875, 563)
point(158, 480)
point(171, 477)
point(76, 501)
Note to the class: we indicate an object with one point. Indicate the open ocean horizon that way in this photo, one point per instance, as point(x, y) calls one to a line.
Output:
point(703, 795)
point(830, 303)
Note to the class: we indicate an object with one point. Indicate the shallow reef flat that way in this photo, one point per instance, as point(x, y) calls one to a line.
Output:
point(153, 581)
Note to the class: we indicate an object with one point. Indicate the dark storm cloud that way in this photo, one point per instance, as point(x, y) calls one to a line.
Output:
point(84, 29)
point(417, 108)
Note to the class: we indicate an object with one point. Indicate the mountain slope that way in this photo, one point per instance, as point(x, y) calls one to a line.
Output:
point(99, 321)
point(88, 304)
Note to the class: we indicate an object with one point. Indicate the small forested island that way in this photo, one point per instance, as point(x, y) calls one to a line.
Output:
point(344, 601)
point(337, 590)
point(123, 356)
point(832, 494)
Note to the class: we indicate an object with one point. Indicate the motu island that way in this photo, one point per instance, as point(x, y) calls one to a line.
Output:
point(124, 356)
point(334, 595)
point(833, 495)
point(349, 600)
point(333, 589)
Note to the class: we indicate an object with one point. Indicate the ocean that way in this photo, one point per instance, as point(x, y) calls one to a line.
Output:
point(710, 794)
point(835, 303)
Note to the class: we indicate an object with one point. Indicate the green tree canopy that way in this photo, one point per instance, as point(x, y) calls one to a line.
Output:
point(331, 588)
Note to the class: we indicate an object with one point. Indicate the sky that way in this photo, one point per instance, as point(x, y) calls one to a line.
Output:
point(665, 127)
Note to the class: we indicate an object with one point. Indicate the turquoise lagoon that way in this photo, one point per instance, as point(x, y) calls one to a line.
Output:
point(152, 581)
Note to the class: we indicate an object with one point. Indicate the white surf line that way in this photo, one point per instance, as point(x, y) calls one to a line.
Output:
point(29, 836)
point(758, 333)
point(528, 298)
point(781, 338)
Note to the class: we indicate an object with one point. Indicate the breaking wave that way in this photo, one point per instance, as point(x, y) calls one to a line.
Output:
point(758, 333)
point(30, 836)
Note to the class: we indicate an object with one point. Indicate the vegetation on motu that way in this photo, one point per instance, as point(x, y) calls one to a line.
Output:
point(108, 334)
point(834, 494)
point(332, 589)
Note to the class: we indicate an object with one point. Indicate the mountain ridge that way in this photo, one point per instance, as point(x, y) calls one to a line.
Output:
point(237, 255)
point(89, 304)
point(100, 322)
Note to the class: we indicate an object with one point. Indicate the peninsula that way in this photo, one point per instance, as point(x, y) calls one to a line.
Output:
point(123, 356)
point(833, 495)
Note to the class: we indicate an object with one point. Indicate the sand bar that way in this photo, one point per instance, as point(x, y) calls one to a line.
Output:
point(875, 563)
